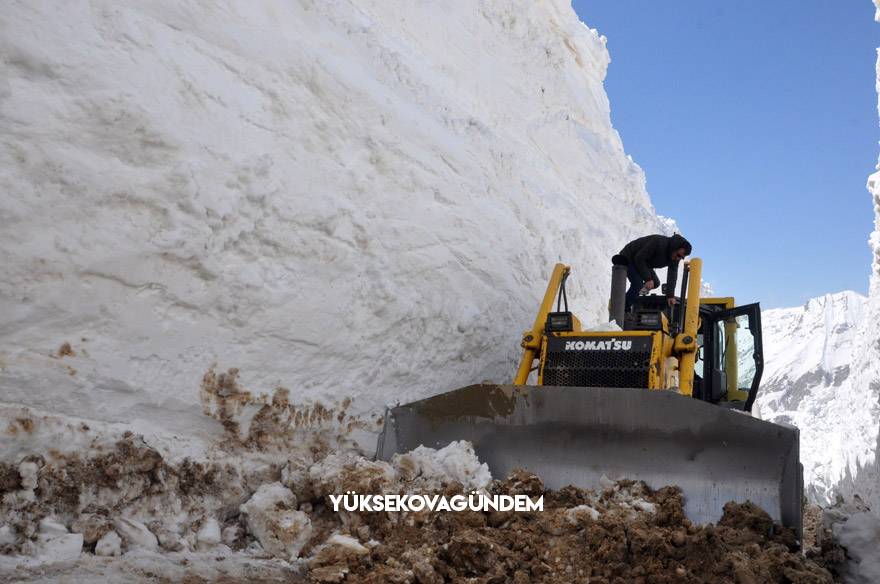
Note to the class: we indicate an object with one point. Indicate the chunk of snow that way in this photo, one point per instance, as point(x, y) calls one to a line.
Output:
point(136, 534)
point(209, 534)
point(7, 535)
point(272, 519)
point(576, 514)
point(110, 544)
point(91, 526)
point(645, 506)
point(270, 494)
point(347, 542)
point(50, 527)
point(28, 471)
point(346, 471)
point(230, 535)
point(338, 552)
point(454, 462)
point(860, 535)
point(295, 476)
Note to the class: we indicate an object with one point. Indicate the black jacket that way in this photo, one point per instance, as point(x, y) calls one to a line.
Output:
point(655, 251)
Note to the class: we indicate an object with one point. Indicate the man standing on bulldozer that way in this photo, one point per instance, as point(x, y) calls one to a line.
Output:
point(644, 254)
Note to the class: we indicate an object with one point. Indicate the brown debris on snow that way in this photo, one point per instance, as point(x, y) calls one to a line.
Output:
point(65, 350)
point(621, 534)
point(264, 422)
point(87, 493)
point(10, 480)
point(625, 534)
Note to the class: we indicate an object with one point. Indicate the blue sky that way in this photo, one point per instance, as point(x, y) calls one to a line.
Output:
point(756, 125)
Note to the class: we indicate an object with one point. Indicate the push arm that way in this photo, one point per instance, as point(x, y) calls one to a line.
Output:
point(686, 341)
point(531, 341)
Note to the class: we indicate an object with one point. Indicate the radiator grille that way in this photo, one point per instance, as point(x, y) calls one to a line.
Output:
point(596, 368)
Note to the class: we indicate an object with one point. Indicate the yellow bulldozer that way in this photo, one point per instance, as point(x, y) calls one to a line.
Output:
point(663, 396)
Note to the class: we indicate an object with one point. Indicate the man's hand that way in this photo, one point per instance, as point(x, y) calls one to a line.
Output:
point(671, 302)
point(649, 285)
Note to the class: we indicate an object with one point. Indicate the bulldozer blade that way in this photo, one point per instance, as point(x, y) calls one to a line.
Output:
point(576, 435)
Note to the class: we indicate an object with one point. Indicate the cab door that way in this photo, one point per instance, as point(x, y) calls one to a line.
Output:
point(736, 355)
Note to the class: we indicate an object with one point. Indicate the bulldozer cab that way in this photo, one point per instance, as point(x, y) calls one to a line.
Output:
point(730, 359)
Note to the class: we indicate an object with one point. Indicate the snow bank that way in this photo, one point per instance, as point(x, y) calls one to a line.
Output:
point(348, 199)
point(114, 503)
point(860, 535)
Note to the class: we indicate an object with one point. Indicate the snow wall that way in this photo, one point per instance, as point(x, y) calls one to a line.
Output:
point(359, 201)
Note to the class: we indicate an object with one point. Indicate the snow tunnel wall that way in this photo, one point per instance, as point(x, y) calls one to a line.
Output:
point(347, 199)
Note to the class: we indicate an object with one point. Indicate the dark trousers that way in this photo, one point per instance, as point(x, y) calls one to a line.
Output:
point(635, 286)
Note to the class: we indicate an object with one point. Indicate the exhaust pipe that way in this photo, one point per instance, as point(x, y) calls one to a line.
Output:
point(617, 305)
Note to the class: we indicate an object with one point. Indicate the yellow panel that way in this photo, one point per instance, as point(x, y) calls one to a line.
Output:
point(655, 367)
point(726, 301)
point(609, 334)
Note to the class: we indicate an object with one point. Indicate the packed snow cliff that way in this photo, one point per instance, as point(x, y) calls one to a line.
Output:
point(352, 200)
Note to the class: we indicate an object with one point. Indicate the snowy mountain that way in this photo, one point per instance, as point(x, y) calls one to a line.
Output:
point(808, 382)
point(356, 201)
